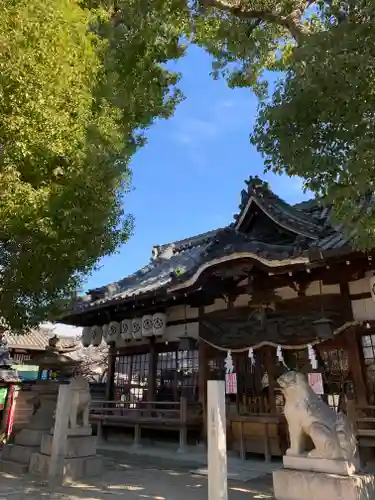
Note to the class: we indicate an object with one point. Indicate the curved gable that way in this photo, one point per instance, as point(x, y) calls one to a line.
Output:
point(259, 198)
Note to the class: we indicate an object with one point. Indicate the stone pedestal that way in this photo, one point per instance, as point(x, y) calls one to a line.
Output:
point(289, 484)
point(80, 458)
point(340, 467)
point(15, 458)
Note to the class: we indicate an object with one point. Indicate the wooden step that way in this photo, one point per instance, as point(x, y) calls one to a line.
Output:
point(366, 432)
point(11, 467)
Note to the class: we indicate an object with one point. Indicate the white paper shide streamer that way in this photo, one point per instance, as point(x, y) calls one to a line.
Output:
point(251, 356)
point(280, 356)
point(312, 357)
point(229, 363)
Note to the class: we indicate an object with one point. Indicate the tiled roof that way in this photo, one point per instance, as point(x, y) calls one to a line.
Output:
point(308, 224)
point(34, 340)
point(177, 258)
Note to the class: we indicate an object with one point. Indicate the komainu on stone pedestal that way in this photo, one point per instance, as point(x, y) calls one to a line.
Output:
point(80, 404)
point(307, 415)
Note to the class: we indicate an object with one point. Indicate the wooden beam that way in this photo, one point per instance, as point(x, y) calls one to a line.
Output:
point(110, 387)
point(270, 363)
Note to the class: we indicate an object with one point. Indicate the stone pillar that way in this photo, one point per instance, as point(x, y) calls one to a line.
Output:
point(68, 451)
point(60, 434)
point(217, 441)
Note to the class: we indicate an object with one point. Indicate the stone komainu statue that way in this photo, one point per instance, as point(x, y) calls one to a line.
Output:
point(80, 403)
point(331, 433)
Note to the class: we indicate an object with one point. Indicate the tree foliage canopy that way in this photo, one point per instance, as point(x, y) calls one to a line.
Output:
point(82, 80)
point(78, 87)
point(318, 121)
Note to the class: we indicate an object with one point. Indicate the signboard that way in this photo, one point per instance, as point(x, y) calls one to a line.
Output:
point(316, 382)
point(231, 383)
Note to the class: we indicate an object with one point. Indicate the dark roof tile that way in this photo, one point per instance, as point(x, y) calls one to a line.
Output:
point(309, 221)
point(34, 340)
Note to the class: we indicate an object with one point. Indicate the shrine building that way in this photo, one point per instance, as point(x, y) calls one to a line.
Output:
point(279, 286)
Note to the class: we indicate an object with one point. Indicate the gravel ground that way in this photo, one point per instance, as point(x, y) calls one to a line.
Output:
point(133, 479)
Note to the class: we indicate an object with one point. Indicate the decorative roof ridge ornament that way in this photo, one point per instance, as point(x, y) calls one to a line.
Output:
point(276, 209)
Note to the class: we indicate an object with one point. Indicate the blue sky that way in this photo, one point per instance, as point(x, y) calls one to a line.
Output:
point(188, 178)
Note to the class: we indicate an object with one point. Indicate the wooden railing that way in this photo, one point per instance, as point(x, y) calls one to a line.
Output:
point(364, 421)
point(147, 414)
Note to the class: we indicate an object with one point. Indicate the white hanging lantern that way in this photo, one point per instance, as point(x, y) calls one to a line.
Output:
point(126, 329)
point(159, 324)
point(137, 328)
point(96, 335)
point(280, 356)
point(86, 336)
point(114, 331)
point(147, 325)
point(251, 356)
point(105, 330)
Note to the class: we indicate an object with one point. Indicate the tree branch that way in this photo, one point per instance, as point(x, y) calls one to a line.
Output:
point(292, 22)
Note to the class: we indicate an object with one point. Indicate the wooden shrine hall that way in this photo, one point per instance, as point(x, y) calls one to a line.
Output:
point(279, 286)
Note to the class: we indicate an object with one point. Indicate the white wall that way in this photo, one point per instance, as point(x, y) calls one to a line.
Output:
point(363, 309)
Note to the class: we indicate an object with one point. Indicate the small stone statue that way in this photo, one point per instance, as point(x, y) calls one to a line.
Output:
point(80, 404)
point(307, 415)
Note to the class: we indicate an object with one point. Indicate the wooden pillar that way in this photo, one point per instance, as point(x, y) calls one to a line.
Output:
point(270, 362)
point(202, 383)
point(110, 388)
point(183, 428)
point(355, 355)
point(355, 358)
point(152, 366)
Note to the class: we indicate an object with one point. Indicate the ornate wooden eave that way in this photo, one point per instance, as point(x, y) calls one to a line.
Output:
point(268, 234)
point(289, 323)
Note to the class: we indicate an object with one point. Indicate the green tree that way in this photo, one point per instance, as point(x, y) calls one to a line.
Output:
point(78, 88)
point(81, 81)
point(319, 123)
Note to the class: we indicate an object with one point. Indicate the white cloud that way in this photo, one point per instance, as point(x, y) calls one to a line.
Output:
point(63, 330)
point(194, 131)
point(224, 116)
